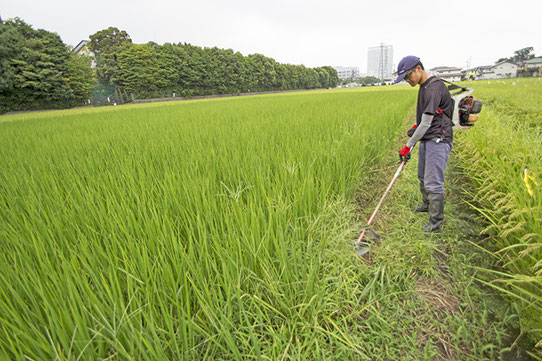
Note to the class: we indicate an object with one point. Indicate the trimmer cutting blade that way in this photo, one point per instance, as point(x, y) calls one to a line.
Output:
point(362, 247)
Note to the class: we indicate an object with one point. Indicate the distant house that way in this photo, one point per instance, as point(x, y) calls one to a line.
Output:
point(534, 63)
point(498, 71)
point(469, 74)
point(486, 72)
point(447, 73)
point(505, 69)
point(533, 67)
point(82, 49)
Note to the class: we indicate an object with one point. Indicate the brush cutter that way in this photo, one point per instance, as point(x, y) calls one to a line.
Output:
point(360, 246)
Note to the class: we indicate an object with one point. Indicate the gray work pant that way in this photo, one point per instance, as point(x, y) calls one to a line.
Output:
point(432, 159)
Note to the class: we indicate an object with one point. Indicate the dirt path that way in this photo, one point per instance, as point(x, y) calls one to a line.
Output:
point(443, 313)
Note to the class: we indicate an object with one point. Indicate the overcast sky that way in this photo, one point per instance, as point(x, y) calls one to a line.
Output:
point(309, 32)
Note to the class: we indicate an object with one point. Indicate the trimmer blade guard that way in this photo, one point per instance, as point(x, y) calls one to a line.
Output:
point(372, 235)
point(362, 249)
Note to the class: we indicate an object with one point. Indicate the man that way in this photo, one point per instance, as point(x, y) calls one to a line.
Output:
point(433, 129)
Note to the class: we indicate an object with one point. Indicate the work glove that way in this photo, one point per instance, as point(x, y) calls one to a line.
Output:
point(404, 154)
point(411, 131)
point(404, 151)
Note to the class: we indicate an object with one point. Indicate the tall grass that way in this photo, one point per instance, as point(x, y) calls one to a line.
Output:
point(495, 153)
point(197, 230)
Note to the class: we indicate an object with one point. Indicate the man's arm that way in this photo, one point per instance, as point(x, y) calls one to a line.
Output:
point(420, 130)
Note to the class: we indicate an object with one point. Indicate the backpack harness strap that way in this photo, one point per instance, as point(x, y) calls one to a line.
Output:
point(453, 86)
point(439, 111)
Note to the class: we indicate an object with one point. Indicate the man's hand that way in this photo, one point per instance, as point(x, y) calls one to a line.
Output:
point(403, 152)
point(411, 131)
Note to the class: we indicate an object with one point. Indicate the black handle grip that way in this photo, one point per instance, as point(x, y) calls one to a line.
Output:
point(405, 159)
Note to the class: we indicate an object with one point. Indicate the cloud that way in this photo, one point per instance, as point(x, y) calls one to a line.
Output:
point(313, 32)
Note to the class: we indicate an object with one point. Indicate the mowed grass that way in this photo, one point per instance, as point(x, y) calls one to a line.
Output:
point(213, 229)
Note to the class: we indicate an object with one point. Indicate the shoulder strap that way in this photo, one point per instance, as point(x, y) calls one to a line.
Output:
point(450, 88)
point(453, 86)
point(432, 79)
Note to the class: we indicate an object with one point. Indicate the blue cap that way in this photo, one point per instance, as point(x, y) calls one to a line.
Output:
point(407, 63)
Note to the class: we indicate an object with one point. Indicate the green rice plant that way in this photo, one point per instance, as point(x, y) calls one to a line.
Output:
point(213, 229)
point(497, 154)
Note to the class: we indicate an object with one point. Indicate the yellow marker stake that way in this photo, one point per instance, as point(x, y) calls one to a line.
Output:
point(526, 177)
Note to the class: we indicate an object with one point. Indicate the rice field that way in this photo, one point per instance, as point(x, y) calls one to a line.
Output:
point(212, 229)
point(221, 229)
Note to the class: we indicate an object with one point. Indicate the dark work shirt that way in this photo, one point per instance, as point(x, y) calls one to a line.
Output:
point(434, 94)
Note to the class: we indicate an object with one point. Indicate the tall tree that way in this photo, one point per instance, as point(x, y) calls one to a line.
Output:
point(106, 44)
point(524, 54)
point(520, 56)
point(108, 40)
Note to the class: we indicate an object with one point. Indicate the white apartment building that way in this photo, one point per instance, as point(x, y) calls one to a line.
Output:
point(380, 61)
point(346, 72)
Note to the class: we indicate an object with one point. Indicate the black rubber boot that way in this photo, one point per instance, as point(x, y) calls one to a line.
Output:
point(436, 213)
point(425, 206)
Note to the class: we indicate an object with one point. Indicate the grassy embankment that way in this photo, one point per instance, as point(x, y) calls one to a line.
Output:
point(505, 145)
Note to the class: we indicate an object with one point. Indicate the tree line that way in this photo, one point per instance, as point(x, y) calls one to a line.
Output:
point(187, 70)
point(39, 71)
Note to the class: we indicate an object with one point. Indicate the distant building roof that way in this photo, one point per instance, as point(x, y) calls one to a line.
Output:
point(444, 68)
point(80, 46)
point(505, 62)
point(346, 67)
point(537, 60)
